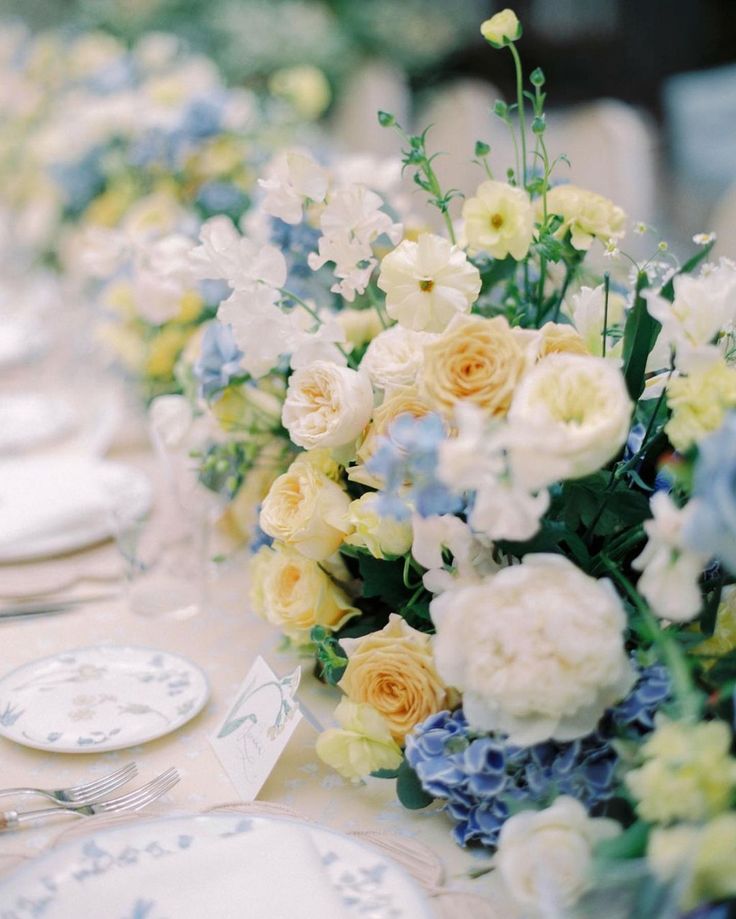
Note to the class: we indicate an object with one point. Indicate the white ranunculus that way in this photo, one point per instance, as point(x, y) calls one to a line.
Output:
point(569, 416)
point(670, 571)
point(537, 650)
point(545, 857)
point(499, 220)
point(427, 282)
point(501, 29)
point(327, 405)
point(395, 357)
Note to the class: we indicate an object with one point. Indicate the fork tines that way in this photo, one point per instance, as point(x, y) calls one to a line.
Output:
point(146, 794)
point(89, 792)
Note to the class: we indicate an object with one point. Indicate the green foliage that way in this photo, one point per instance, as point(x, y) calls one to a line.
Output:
point(409, 789)
point(330, 656)
point(640, 334)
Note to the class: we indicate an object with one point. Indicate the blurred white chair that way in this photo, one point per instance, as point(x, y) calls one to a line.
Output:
point(723, 223)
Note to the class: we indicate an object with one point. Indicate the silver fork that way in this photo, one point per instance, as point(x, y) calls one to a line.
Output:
point(86, 793)
point(133, 801)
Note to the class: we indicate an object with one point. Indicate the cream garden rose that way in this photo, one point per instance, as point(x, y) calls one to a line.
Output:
point(327, 405)
point(294, 593)
point(394, 671)
point(475, 360)
point(570, 415)
point(305, 509)
point(499, 220)
point(545, 858)
point(395, 357)
point(537, 650)
point(380, 534)
point(361, 745)
point(586, 215)
point(501, 29)
point(427, 282)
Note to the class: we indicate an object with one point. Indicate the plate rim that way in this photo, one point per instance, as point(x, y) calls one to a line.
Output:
point(104, 748)
point(154, 819)
point(102, 534)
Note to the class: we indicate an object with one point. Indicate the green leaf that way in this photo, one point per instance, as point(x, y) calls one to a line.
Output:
point(550, 247)
point(640, 334)
point(384, 579)
point(632, 843)
point(385, 773)
point(724, 669)
point(409, 789)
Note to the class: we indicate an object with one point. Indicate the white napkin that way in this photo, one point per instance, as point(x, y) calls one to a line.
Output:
point(27, 420)
point(44, 500)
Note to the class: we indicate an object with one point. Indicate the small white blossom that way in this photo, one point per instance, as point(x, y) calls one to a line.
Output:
point(293, 178)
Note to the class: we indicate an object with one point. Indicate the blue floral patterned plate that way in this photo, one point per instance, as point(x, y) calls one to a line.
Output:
point(102, 698)
point(224, 866)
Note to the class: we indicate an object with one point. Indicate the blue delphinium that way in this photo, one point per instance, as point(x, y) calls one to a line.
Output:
point(481, 777)
point(406, 463)
point(219, 359)
point(712, 527)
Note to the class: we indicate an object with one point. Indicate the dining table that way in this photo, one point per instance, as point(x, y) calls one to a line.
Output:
point(223, 639)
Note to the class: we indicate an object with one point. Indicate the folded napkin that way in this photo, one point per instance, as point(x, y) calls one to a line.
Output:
point(52, 504)
point(30, 419)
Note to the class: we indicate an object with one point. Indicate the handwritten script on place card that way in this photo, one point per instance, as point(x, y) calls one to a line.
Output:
point(257, 727)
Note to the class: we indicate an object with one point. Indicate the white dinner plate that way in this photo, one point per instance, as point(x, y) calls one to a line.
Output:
point(104, 698)
point(224, 866)
point(56, 504)
point(30, 420)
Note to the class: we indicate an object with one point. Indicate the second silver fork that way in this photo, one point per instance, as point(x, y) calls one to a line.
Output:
point(84, 793)
point(133, 801)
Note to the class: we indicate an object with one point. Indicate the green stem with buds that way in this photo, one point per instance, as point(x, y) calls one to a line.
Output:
point(520, 109)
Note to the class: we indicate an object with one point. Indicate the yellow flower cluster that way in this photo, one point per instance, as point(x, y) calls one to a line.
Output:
point(699, 402)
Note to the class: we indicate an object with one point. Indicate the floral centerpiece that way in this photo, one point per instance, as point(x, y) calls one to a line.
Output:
point(505, 523)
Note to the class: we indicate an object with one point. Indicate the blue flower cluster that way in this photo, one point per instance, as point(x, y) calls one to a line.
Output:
point(219, 359)
point(481, 777)
point(406, 462)
point(712, 528)
point(296, 241)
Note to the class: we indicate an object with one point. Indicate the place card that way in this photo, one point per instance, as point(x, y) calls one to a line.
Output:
point(257, 727)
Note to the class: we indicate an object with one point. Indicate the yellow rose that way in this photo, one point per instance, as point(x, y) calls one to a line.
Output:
point(380, 534)
point(499, 220)
point(362, 745)
point(294, 593)
point(475, 360)
point(699, 402)
point(402, 401)
point(687, 772)
point(394, 671)
point(705, 855)
point(305, 509)
point(586, 215)
point(501, 29)
point(557, 338)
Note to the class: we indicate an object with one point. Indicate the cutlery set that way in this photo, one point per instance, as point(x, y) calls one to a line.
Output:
point(88, 799)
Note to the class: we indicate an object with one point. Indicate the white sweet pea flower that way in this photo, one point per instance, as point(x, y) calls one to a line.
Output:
point(103, 251)
point(587, 309)
point(226, 255)
point(320, 344)
point(472, 558)
point(351, 222)
point(260, 328)
point(428, 282)
point(670, 570)
point(292, 178)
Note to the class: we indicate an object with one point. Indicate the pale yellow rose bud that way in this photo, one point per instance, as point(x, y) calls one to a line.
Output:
point(380, 534)
point(501, 29)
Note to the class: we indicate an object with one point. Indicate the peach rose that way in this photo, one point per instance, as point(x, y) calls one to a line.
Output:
point(393, 670)
point(475, 360)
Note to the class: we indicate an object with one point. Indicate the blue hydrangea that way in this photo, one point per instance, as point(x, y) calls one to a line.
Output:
point(406, 463)
point(712, 528)
point(219, 359)
point(221, 197)
point(481, 777)
point(296, 242)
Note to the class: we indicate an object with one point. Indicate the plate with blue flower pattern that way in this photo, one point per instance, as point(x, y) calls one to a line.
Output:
point(223, 865)
point(108, 697)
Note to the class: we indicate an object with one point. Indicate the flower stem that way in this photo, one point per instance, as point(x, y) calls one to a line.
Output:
point(520, 107)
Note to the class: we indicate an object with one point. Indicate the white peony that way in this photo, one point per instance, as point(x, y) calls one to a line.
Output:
point(545, 858)
point(670, 571)
point(427, 282)
point(537, 650)
point(395, 357)
point(569, 416)
point(327, 405)
point(291, 179)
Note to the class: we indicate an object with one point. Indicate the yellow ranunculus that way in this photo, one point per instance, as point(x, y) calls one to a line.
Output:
point(499, 220)
point(394, 671)
point(475, 360)
point(363, 744)
point(305, 87)
point(501, 29)
point(706, 856)
point(380, 534)
point(699, 402)
point(586, 215)
point(295, 594)
point(305, 509)
point(687, 772)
